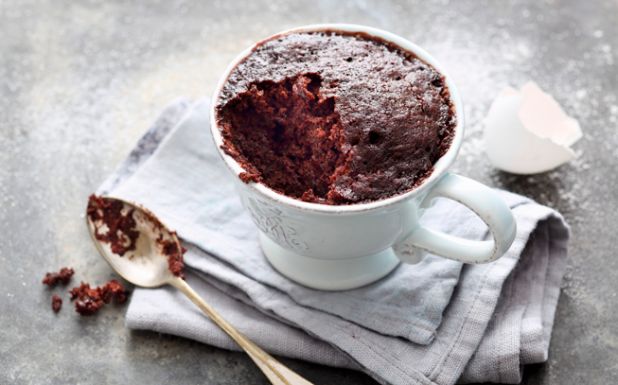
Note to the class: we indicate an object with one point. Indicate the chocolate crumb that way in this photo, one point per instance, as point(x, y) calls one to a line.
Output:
point(114, 290)
point(249, 177)
point(89, 300)
point(174, 256)
point(63, 277)
point(121, 231)
point(56, 303)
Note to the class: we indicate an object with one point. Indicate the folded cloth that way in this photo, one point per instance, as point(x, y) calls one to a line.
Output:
point(436, 322)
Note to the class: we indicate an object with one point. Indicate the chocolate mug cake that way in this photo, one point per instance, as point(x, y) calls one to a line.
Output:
point(335, 117)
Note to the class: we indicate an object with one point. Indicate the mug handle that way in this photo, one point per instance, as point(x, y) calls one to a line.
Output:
point(485, 203)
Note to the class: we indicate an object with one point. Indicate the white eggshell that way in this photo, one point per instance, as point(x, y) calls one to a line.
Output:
point(526, 132)
point(541, 114)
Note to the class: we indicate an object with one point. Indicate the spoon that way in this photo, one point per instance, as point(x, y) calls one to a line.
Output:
point(143, 251)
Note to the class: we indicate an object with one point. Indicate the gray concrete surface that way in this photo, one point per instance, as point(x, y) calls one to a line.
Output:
point(81, 80)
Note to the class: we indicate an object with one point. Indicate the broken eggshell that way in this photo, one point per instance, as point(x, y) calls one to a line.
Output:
point(527, 132)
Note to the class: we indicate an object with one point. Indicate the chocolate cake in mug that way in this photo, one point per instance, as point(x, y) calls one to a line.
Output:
point(335, 117)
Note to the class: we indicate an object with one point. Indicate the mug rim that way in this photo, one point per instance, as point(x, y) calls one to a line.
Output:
point(439, 167)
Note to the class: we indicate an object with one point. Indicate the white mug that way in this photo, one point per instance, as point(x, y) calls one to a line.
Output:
point(342, 247)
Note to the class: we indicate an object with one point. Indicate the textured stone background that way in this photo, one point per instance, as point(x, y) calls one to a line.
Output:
point(81, 80)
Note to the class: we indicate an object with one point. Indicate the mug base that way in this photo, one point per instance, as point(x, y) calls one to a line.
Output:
point(329, 274)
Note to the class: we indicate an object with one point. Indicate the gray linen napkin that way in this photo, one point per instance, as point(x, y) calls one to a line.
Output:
point(435, 322)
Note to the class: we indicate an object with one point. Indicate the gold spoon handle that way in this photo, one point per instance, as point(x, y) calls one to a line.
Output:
point(277, 373)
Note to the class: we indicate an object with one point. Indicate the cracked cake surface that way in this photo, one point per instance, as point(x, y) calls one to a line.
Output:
point(335, 117)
